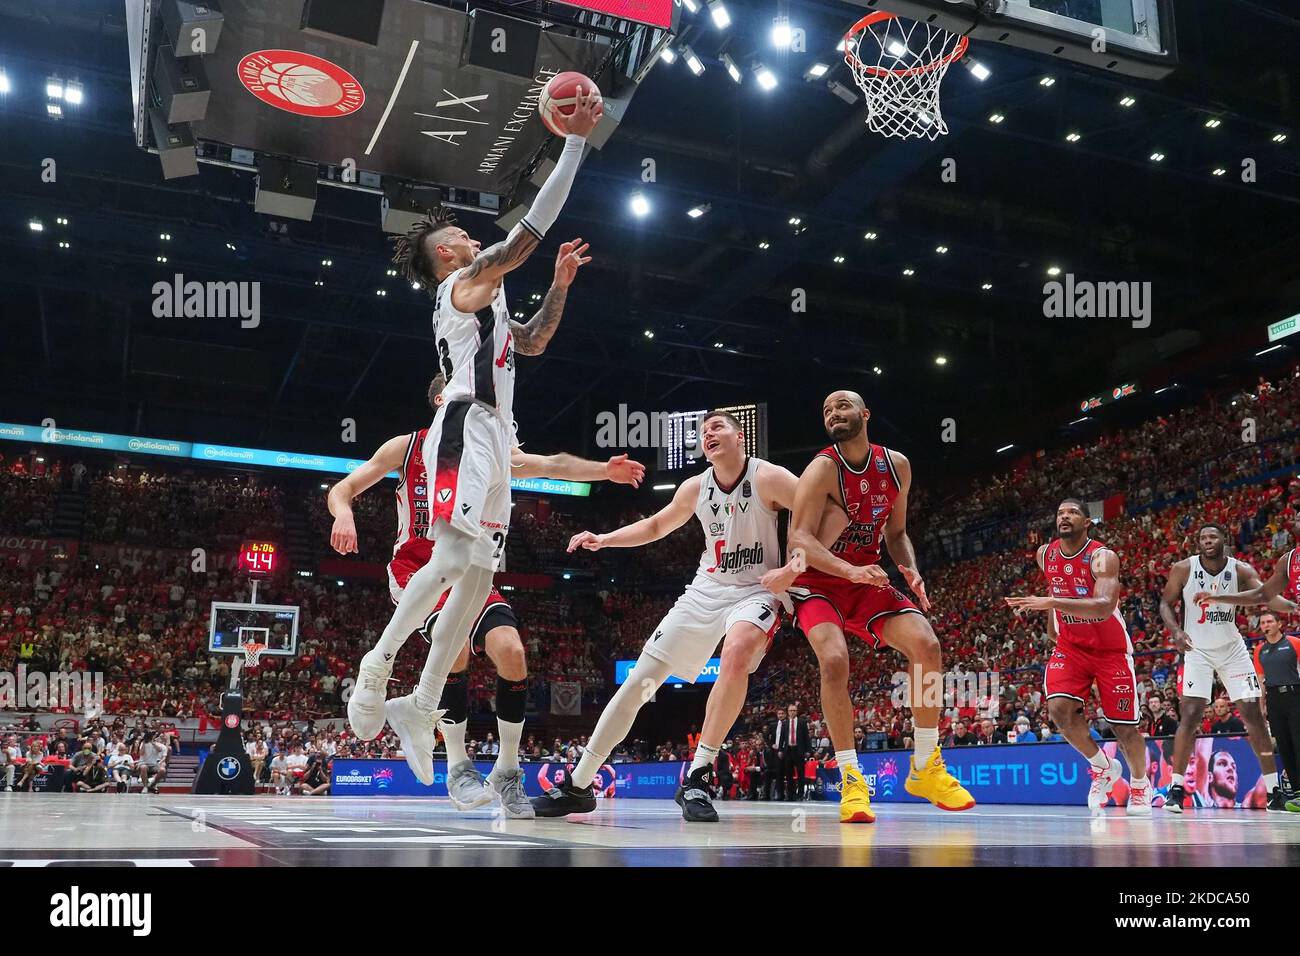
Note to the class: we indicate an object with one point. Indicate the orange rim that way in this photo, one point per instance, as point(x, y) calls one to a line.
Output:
point(880, 16)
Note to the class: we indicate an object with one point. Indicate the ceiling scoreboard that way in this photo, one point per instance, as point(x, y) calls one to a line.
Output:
point(680, 446)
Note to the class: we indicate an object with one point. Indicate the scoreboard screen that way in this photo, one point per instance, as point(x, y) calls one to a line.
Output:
point(259, 557)
point(682, 448)
point(656, 13)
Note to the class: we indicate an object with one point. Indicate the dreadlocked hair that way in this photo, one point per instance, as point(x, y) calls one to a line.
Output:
point(413, 260)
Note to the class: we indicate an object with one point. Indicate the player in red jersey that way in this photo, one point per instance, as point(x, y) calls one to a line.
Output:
point(494, 631)
point(845, 589)
point(1092, 646)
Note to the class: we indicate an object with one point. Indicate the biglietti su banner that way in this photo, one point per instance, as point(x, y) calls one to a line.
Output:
point(1223, 772)
point(400, 103)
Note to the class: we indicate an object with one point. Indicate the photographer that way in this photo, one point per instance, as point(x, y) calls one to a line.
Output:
point(94, 778)
point(316, 779)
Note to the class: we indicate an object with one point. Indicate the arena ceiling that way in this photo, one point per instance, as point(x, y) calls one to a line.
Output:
point(82, 346)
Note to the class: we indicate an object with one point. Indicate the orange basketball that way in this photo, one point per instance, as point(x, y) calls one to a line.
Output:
point(560, 97)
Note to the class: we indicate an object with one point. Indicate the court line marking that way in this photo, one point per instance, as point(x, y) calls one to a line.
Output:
point(401, 78)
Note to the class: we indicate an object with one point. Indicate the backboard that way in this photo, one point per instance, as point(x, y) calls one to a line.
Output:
point(231, 625)
point(1128, 37)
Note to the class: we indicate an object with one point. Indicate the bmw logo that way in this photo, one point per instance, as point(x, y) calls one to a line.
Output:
point(228, 768)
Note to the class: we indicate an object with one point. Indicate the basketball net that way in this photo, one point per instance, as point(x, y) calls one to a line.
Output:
point(899, 66)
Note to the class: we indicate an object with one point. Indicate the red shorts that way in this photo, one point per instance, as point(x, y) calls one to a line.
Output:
point(858, 609)
point(1072, 670)
point(496, 612)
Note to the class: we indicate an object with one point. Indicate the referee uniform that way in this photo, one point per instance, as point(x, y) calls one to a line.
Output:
point(1278, 664)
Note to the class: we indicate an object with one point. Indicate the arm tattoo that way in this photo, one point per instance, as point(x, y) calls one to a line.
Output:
point(532, 339)
point(506, 255)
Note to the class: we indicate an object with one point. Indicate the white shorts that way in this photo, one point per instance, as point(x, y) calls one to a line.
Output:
point(689, 633)
point(1233, 665)
point(467, 454)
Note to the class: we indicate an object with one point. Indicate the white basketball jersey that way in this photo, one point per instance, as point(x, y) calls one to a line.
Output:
point(1214, 625)
point(476, 351)
point(740, 543)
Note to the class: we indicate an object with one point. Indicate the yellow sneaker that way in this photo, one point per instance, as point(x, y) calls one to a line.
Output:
point(933, 782)
point(855, 798)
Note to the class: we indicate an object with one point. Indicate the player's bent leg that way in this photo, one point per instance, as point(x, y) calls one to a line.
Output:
point(505, 649)
point(1134, 747)
point(575, 794)
point(832, 650)
point(1190, 710)
point(415, 716)
point(744, 643)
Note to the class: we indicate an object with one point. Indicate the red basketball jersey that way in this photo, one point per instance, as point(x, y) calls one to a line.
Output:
point(869, 494)
point(413, 542)
point(1070, 576)
point(1292, 574)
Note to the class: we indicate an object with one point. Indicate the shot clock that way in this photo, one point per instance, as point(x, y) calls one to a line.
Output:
point(261, 558)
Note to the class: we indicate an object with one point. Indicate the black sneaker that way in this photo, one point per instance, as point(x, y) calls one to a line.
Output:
point(1277, 801)
point(695, 798)
point(1174, 798)
point(564, 799)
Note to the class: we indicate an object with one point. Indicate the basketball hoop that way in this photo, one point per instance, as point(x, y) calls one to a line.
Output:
point(900, 70)
point(252, 653)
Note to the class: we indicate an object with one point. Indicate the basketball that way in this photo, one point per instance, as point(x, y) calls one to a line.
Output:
point(560, 97)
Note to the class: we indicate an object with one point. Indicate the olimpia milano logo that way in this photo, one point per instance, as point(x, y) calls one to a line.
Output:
point(301, 83)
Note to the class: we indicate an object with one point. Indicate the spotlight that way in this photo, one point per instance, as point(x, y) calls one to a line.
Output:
point(940, 360)
point(61, 221)
point(64, 245)
point(795, 220)
point(1157, 157)
point(838, 260)
point(1054, 271)
point(732, 70)
point(318, 282)
point(695, 212)
point(717, 345)
point(878, 370)
point(1047, 81)
point(391, 272)
point(73, 93)
point(54, 109)
point(161, 259)
point(667, 55)
point(897, 48)
point(1220, 171)
point(691, 5)
point(1072, 137)
point(721, 18)
point(764, 244)
point(1213, 123)
point(231, 247)
point(327, 262)
point(977, 69)
point(415, 285)
point(942, 250)
point(1128, 102)
point(870, 236)
point(35, 225)
point(381, 292)
point(648, 334)
point(164, 236)
point(781, 35)
point(54, 88)
point(1005, 448)
point(996, 119)
point(909, 272)
point(815, 71)
point(987, 287)
point(4, 83)
point(1280, 138)
point(692, 61)
point(640, 205)
point(766, 78)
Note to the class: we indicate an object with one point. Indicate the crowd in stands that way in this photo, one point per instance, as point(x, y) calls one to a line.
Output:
point(143, 620)
point(102, 756)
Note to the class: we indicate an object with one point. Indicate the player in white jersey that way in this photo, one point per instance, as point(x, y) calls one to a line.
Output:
point(468, 446)
point(1211, 644)
point(736, 501)
point(494, 634)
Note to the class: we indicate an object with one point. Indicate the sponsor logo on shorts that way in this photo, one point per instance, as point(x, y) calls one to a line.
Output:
point(300, 83)
point(464, 508)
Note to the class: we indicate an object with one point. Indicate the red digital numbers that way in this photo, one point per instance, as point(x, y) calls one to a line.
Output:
point(258, 557)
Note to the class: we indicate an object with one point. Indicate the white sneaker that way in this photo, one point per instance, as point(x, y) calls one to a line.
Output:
point(366, 705)
point(1103, 782)
point(414, 726)
point(1139, 801)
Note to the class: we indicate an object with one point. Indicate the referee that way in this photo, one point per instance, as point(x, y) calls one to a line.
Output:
point(1277, 661)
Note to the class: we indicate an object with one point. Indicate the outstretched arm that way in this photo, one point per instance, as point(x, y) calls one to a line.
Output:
point(532, 338)
point(663, 522)
point(619, 469)
point(1250, 581)
point(897, 542)
point(1262, 594)
point(389, 457)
